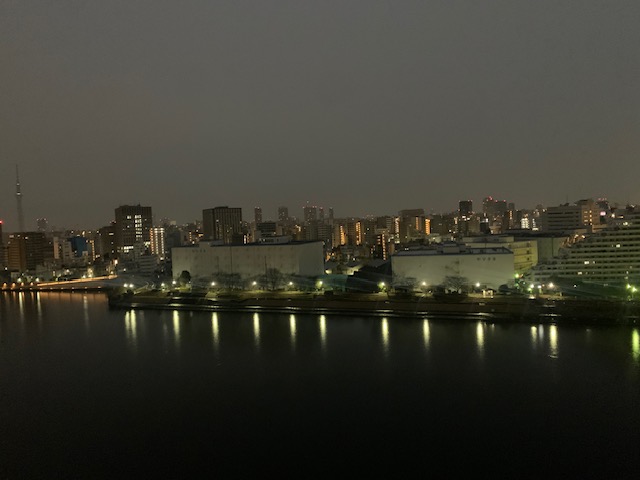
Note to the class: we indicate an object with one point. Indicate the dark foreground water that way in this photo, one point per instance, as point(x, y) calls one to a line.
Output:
point(90, 392)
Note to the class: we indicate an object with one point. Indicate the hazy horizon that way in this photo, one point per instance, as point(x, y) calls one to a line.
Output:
point(365, 106)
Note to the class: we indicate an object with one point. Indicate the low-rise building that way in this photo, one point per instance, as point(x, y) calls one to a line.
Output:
point(525, 252)
point(490, 267)
point(207, 260)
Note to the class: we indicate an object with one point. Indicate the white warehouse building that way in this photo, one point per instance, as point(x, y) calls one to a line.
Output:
point(249, 260)
point(490, 267)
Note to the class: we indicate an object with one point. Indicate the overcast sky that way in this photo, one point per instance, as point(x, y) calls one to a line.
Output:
point(366, 106)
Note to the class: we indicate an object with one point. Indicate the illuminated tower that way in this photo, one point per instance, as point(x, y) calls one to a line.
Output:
point(19, 201)
point(158, 242)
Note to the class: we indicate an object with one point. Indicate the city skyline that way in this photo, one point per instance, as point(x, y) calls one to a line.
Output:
point(271, 215)
point(371, 106)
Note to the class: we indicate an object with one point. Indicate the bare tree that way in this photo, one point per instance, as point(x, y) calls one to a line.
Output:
point(456, 283)
point(402, 283)
point(228, 281)
point(273, 278)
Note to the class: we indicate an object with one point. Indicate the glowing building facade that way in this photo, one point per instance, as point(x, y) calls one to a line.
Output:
point(608, 256)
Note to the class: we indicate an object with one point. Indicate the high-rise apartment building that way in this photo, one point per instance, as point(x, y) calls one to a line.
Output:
point(26, 251)
point(222, 224)
point(382, 246)
point(412, 224)
point(158, 242)
point(283, 214)
point(257, 215)
point(132, 228)
point(105, 244)
point(608, 256)
point(465, 208)
point(310, 214)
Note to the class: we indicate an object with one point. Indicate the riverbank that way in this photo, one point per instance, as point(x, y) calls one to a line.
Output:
point(496, 309)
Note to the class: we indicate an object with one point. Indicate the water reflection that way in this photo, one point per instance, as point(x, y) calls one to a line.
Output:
point(85, 311)
point(385, 335)
point(635, 344)
point(215, 332)
point(38, 308)
point(21, 305)
point(292, 327)
point(256, 330)
point(534, 335)
point(165, 335)
point(176, 328)
point(480, 337)
point(323, 332)
point(426, 333)
point(553, 340)
point(130, 324)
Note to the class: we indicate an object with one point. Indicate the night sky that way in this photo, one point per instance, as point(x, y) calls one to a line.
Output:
point(366, 106)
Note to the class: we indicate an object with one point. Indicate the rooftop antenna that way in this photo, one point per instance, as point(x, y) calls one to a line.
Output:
point(19, 201)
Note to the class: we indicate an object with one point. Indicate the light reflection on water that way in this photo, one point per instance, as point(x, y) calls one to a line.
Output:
point(553, 340)
point(385, 335)
point(85, 311)
point(323, 332)
point(21, 305)
point(215, 332)
point(149, 391)
point(130, 323)
point(426, 333)
point(480, 338)
point(534, 336)
point(25, 306)
point(39, 308)
point(256, 330)
point(176, 328)
point(292, 327)
point(541, 333)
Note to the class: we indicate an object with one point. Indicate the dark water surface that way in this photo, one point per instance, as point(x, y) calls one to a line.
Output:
point(90, 392)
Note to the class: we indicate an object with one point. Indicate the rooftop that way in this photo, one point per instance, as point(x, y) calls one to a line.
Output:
point(458, 250)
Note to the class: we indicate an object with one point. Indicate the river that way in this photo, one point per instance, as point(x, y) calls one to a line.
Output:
point(88, 392)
